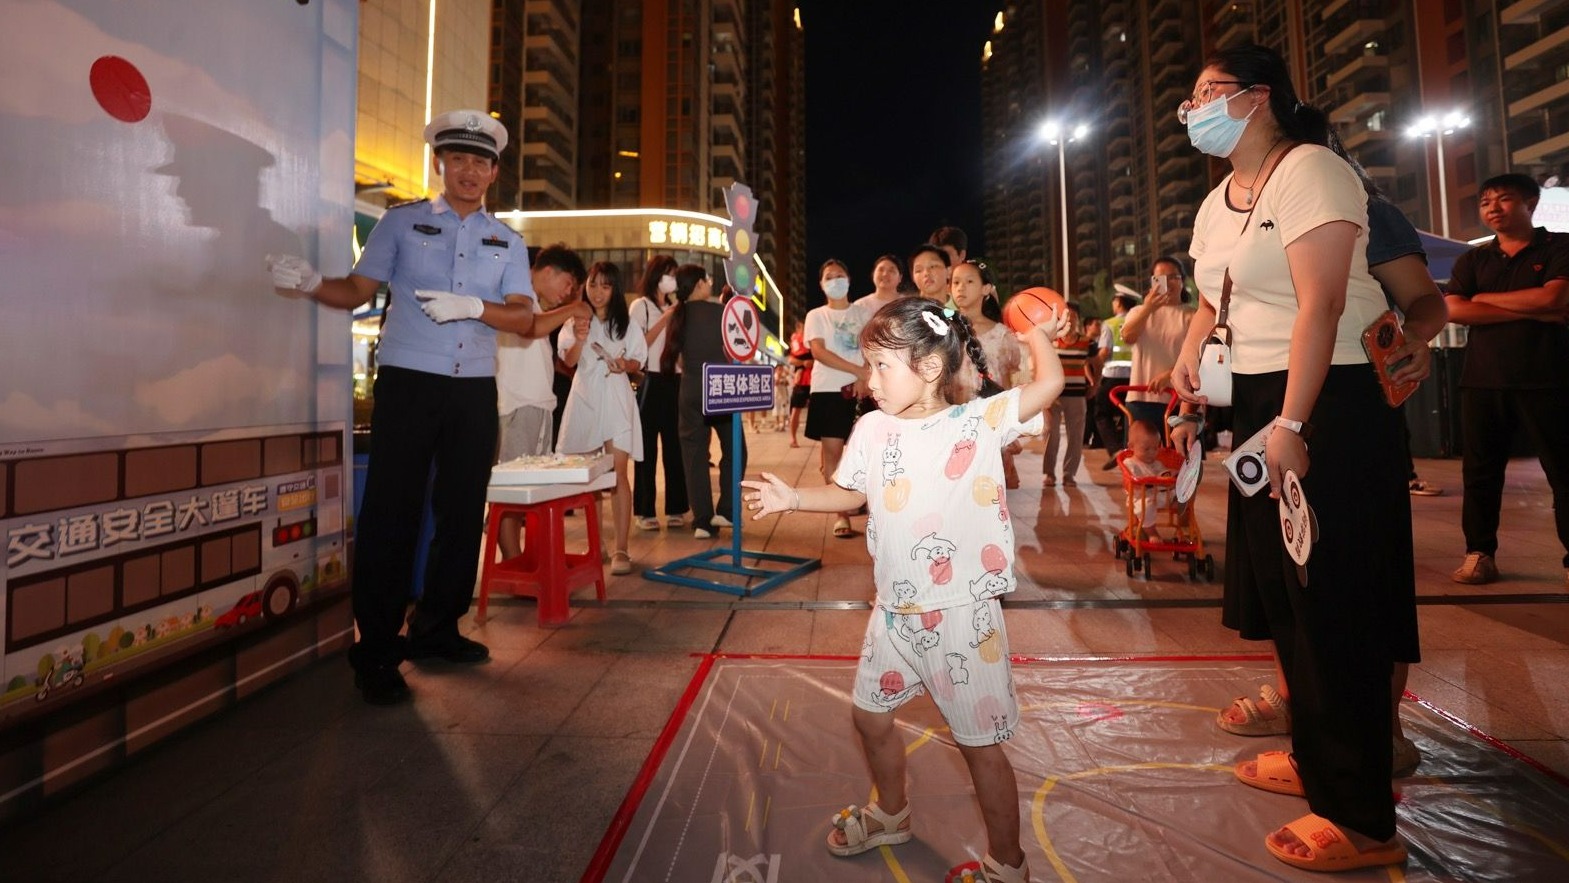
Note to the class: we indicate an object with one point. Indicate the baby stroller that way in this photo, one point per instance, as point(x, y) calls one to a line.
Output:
point(1175, 527)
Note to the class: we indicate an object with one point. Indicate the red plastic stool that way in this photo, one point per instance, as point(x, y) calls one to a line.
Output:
point(544, 570)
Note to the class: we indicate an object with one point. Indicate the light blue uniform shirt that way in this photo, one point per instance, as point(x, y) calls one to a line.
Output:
point(426, 245)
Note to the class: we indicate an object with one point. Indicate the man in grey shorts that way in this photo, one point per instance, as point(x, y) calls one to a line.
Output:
point(525, 372)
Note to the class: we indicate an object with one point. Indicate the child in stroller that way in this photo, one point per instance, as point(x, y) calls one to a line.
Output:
point(1155, 520)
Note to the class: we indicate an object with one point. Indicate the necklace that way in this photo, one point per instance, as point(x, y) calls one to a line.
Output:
point(1248, 202)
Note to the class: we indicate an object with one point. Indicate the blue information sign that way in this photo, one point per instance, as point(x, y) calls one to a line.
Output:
point(731, 389)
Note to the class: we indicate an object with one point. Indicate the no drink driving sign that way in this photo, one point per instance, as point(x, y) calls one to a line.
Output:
point(742, 328)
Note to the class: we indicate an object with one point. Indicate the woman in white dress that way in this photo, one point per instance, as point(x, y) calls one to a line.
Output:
point(601, 412)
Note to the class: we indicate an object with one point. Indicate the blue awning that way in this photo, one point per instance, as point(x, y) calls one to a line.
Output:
point(1441, 254)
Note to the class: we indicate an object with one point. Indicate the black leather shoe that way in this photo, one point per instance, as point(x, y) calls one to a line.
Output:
point(452, 648)
point(382, 686)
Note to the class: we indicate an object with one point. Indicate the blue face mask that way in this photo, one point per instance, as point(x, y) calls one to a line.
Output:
point(1213, 130)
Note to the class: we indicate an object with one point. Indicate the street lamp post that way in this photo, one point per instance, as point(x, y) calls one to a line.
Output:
point(1058, 133)
point(1439, 126)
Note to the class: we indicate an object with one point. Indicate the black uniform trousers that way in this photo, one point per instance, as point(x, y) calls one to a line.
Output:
point(421, 420)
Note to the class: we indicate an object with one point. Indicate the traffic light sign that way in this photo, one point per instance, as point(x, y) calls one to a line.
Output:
point(739, 268)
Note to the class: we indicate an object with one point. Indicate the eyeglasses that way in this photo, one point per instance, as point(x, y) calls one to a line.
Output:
point(1203, 94)
point(1163, 281)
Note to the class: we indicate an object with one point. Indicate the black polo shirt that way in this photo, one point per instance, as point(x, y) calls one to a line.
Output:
point(1514, 355)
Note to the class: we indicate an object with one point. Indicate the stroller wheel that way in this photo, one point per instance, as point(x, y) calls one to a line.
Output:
point(1122, 546)
point(1193, 567)
point(1146, 565)
point(1131, 564)
point(1209, 566)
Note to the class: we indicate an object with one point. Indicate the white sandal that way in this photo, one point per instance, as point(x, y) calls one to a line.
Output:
point(997, 872)
point(1254, 722)
point(851, 820)
point(620, 563)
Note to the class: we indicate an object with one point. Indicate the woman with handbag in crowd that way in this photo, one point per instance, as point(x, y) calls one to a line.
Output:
point(656, 400)
point(1280, 261)
point(839, 374)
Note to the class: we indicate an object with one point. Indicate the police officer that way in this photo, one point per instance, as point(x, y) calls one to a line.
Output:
point(456, 275)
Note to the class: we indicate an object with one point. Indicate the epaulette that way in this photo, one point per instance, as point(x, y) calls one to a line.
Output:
point(408, 203)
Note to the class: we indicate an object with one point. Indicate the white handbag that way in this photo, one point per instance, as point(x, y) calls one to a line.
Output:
point(1215, 352)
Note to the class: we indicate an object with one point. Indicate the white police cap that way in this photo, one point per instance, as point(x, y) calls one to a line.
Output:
point(469, 130)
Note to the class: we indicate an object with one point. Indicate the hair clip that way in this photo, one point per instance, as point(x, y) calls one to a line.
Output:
point(947, 312)
point(935, 322)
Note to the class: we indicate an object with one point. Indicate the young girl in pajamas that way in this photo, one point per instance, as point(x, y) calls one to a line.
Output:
point(928, 466)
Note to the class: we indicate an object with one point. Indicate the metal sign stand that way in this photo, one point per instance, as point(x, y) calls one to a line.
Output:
point(754, 580)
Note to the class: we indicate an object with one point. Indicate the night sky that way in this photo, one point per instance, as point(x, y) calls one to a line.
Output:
point(893, 128)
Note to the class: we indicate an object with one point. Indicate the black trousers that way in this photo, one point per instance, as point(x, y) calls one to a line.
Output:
point(421, 420)
point(1108, 417)
point(1338, 635)
point(658, 399)
point(695, 429)
point(1489, 419)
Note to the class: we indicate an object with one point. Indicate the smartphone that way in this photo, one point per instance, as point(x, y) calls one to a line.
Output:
point(1380, 340)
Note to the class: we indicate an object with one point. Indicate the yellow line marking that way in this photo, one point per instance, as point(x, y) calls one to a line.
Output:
point(777, 751)
point(763, 758)
point(787, 710)
point(772, 708)
point(1038, 802)
point(750, 801)
point(768, 804)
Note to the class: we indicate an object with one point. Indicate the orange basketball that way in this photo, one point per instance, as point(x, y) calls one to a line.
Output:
point(1028, 308)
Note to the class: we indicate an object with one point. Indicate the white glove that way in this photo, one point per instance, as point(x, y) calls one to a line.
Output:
point(293, 273)
point(444, 306)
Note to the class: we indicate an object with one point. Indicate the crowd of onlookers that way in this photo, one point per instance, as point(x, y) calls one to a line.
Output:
point(1295, 258)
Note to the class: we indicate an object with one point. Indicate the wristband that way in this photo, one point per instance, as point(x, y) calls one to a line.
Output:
point(1297, 426)
point(1176, 420)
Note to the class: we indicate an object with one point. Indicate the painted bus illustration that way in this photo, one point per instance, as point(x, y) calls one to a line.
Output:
point(124, 551)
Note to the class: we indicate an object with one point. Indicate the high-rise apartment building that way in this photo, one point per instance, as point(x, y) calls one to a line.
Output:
point(1016, 213)
point(1375, 67)
point(682, 98)
point(534, 76)
point(408, 71)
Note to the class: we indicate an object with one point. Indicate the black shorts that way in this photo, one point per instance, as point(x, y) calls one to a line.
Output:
point(800, 395)
point(830, 416)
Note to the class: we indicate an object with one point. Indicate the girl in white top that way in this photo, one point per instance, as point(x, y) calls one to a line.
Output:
point(601, 412)
point(927, 464)
point(833, 331)
point(970, 286)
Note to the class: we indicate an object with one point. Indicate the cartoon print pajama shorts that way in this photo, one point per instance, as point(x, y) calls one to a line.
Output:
point(959, 655)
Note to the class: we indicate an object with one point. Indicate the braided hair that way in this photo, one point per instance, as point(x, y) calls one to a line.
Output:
point(925, 329)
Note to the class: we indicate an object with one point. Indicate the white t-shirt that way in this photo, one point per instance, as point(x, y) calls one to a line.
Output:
point(939, 535)
point(524, 373)
point(840, 330)
point(871, 303)
point(1311, 187)
point(1159, 344)
point(644, 313)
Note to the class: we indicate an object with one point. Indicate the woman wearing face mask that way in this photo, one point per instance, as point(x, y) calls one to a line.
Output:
point(656, 397)
point(839, 376)
point(1283, 235)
